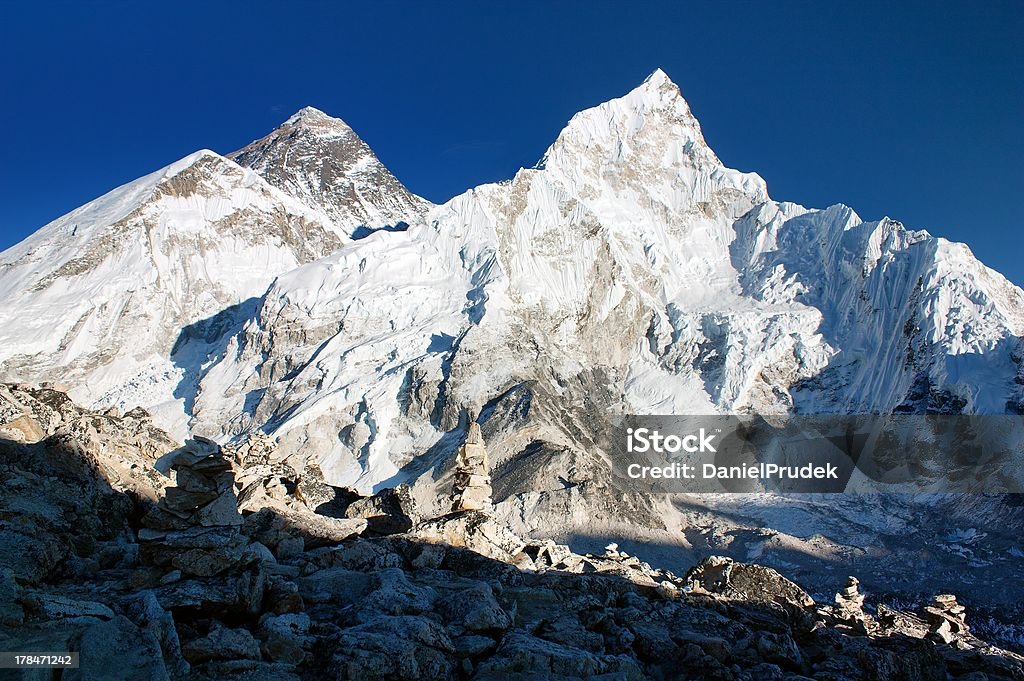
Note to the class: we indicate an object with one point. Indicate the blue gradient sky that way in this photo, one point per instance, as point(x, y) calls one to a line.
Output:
point(911, 111)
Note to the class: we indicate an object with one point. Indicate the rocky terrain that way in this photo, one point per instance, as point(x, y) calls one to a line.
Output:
point(159, 561)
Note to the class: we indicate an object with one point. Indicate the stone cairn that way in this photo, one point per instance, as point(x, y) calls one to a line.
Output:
point(946, 618)
point(471, 490)
point(850, 606)
point(196, 526)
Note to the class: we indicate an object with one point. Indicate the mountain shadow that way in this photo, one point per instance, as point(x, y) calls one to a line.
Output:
point(202, 344)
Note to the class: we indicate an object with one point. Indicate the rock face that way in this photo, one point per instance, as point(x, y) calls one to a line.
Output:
point(322, 162)
point(471, 490)
point(195, 589)
point(123, 448)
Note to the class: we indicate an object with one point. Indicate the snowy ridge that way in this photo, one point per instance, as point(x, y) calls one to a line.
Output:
point(99, 297)
point(630, 271)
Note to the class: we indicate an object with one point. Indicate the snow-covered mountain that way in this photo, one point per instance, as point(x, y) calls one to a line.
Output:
point(630, 271)
point(98, 299)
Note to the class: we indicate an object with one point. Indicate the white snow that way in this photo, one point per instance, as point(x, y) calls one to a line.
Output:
point(630, 251)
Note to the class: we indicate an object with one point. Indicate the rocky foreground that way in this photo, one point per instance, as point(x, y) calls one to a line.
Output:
point(231, 565)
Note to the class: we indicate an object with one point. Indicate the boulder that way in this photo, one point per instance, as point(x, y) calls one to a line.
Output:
point(118, 649)
point(390, 511)
point(520, 653)
point(222, 643)
point(473, 530)
point(11, 612)
point(475, 609)
point(753, 584)
point(285, 638)
point(401, 648)
point(55, 607)
point(145, 611)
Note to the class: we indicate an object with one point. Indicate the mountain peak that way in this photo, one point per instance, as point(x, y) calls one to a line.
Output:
point(322, 162)
point(658, 91)
point(311, 118)
point(647, 117)
point(189, 161)
point(309, 112)
point(657, 79)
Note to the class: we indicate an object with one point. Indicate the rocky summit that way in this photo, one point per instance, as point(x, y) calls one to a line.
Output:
point(154, 562)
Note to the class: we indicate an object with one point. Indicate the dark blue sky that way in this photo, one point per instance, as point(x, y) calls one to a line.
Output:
point(912, 111)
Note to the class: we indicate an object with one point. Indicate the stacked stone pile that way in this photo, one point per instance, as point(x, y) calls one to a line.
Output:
point(947, 618)
point(471, 490)
point(850, 601)
point(196, 526)
point(849, 608)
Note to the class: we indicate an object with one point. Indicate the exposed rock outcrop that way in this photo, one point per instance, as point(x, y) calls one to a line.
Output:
point(196, 589)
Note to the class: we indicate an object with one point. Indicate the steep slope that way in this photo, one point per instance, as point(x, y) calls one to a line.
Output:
point(98, 298)
point(104, 299)
point(920, 325)
point(322, 162)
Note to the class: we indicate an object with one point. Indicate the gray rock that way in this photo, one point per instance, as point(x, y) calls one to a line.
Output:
point(61, 607)
point(567, 630)
point(754, 584)
point(475, 530)
point(339, 585)
point(115, 650)
point(171, 577)
point(521, 653)
point(258, 553)
point(222, 643)
point(360, 555)
point(475, 609)
point(290, 547)
point(250, 670)
point(396, 595)
point(31, 556)
point(240, 593)
point(282, 596)
point(311, 488)
point(145, 611)
point(285, 638)
point(390, 511)
point(473, 645)
point(223, 511)
point(11, 612)
point(405, 648)
point(206, 562)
